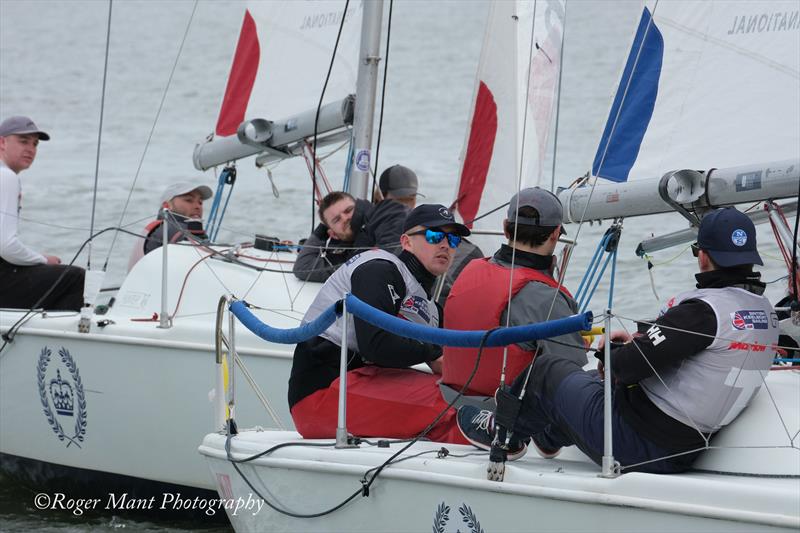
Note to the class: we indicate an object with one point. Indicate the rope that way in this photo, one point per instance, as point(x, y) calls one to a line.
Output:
point(383, 100)
point(319, 107)
point(99, 138)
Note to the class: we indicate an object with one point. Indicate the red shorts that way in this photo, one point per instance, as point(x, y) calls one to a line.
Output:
point(381, 402)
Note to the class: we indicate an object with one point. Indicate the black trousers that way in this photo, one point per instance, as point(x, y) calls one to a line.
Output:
point(59, 287)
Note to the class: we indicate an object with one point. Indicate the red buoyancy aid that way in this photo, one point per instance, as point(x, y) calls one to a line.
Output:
point(476, 302)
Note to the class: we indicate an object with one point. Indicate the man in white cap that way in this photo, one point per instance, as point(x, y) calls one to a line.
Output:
point(183, 202)
point(28, 279)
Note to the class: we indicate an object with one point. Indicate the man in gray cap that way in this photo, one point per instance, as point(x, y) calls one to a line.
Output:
point(521, 271)
point(182, 204)
point(28, 278)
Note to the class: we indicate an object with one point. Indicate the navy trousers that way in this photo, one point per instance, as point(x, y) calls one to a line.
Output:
point(563, 405)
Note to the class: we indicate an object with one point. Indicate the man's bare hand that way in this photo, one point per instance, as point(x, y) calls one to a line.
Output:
point(53, 259)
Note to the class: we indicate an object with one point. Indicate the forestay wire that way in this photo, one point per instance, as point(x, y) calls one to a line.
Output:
point(152, 130)
point(99, 138)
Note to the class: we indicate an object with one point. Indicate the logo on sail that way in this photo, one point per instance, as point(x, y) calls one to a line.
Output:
point(62, 396)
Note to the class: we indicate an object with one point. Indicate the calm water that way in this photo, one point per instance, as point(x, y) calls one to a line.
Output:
point(51, 68)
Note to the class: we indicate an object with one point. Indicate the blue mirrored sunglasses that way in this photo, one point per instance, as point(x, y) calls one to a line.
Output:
point(434, 236)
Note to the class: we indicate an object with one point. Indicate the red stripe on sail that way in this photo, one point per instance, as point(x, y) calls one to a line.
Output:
point(241, 79)
point(483, 132)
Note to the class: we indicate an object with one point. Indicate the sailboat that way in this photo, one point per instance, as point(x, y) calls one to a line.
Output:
point(748, 478)
point(120, 408)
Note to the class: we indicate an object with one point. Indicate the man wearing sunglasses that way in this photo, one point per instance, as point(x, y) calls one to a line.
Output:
point(522, 272)
point(677, 382)
point(384, 396)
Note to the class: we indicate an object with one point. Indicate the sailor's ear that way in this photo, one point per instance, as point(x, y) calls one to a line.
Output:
point(505, 228)
point(405, 242)
point(166, 205)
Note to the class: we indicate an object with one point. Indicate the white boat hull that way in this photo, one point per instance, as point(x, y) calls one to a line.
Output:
point(135, 398)
point(425, 493)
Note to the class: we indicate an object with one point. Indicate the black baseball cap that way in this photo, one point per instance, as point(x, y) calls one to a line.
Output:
point(400, 181)
point(729, 237)
point(433, 216)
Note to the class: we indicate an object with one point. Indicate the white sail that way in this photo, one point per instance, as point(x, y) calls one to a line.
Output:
point(513, 107)
point(283, 54)
point(707, 85)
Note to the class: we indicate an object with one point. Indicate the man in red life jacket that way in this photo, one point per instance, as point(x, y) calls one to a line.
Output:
point(384, 396)
point(521, 271)
point(184, 200)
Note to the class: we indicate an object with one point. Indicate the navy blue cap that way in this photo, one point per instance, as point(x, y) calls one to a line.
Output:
point(729, 237)
point(433, 216)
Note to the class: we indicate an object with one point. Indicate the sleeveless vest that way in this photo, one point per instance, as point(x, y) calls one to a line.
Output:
point(415, 306)
point(477, 301)
point(715, 385)
point(138, 247)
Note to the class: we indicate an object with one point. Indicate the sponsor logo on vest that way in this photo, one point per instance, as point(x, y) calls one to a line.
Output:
point(748, 346)
point(418, 306)
point(62, 393)
point(749, 319)
point(393, 293)
point(655, 335)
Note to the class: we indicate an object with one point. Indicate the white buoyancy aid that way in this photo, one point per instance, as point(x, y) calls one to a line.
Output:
point(415, 306)
point(708, 390)
point(138, 247)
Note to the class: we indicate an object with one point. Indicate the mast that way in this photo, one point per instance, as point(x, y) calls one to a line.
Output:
point(366, 86)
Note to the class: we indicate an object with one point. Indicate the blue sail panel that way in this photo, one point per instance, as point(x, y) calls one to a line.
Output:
point(633, 104)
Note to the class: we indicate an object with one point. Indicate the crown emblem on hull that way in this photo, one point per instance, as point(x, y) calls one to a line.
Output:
point(65, 396)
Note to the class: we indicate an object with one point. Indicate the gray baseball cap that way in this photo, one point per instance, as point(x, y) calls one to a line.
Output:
point(20, 125)
point(400, 181)
point(546, 203)
point(185, 187)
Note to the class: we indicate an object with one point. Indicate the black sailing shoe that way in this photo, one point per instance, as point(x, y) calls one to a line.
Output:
point(477, 426)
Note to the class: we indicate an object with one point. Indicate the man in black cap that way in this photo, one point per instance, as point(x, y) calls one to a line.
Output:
point(522, 272)
point(28, 278)
point(677, 382)
point(384, 396)
point(398, 186)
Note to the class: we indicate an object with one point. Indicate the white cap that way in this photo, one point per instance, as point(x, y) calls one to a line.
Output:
point(185, 187)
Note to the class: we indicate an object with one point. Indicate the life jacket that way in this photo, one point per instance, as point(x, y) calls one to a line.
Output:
point(709, 389)
point(415, 307)
point(138, 247)
point(476, 302)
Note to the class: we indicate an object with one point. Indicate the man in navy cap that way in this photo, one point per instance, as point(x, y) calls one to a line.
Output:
point(384, 396)
point(28, 278)
point(676, 383)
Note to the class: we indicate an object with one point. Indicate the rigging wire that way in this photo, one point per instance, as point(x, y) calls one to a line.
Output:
point(99, 136)
point(152, 131)
point(794, 250)
point(558, 98)
point(383, 99)
point(366, 480)
point(319, 107)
